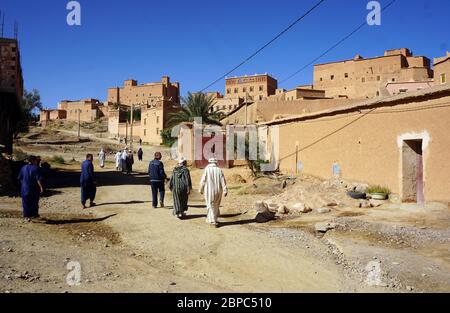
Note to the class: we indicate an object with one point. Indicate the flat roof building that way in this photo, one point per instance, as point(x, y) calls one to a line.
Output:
point(362, 78)
point(256, 87)
point(134, 94)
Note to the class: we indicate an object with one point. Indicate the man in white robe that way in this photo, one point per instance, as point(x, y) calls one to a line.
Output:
point(119, 161)
point(102, 158)
point(123, 157)
point(213, 185)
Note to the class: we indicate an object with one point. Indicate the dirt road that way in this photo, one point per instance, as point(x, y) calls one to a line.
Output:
point(124, 245)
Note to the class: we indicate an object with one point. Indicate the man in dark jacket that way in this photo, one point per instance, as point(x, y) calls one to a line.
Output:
point(157, 180)
point(87, 182)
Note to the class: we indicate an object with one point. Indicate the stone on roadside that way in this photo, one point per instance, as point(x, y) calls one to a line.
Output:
point(264, 217)
point(323, 227)
point(323, 210)
point(273, 207)
point(301, 208)
point(261, 207)
point(283, 209)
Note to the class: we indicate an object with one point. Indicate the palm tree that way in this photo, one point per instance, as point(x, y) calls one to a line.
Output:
point(197, 105)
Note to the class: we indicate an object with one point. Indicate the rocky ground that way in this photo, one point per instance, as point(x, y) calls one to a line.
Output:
point(336, 245)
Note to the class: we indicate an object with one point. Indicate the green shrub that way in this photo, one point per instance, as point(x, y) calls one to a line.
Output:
point(378, 189)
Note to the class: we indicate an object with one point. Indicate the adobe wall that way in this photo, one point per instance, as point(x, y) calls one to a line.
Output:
point(368, 145)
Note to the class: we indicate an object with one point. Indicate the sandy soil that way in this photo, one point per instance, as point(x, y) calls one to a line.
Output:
point(124, 245)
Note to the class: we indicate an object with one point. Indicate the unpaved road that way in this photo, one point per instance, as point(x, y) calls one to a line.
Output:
point(124, 245)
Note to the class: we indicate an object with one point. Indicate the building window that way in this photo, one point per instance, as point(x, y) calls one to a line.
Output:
point(403, 90)
point(260, 97)
point(157, 119)
point(393, 79)
point(235, 90)
point(320, 78)
point(346, 75)
point(261, 88)
point(443, 78)
point(244, 89)
point(378, 78)
point(228, 91)
point(332, 77)
point(223, 107)
point(157, 131)
point(251, 89)
point(145, 121)
point(363, 79)
point(230, 107)
point(145, 132)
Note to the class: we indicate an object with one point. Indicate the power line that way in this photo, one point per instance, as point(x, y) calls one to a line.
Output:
point(333, 46)
point(265, 46)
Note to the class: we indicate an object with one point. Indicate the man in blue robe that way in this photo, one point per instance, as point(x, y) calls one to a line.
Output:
point(87, 182)
point(31, 188)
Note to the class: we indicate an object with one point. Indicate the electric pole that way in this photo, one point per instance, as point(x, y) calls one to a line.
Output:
point(131, 129)
point(79, 126)
point(245, 102)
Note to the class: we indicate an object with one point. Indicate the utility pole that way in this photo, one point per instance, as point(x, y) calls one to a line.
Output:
point(79, 127)
point(126, 132)
point(131, 129)
point(245, 102)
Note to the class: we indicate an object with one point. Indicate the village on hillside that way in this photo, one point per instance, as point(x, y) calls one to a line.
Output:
point(341, 185)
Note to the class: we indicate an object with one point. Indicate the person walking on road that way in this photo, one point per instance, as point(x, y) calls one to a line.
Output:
point(181, 186)
point(87, 182)
point(157, 180)
point(140, 154)
point(123, 159)
point(130, 162)
point(31, 188)
point(118, 158)
point(213, 185)
point(102, 158)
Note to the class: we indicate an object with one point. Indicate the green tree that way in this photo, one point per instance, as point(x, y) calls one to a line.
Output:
point(31, 103)
point(197, 105)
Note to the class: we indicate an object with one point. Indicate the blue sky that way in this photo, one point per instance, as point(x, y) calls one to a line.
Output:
point(196, 41)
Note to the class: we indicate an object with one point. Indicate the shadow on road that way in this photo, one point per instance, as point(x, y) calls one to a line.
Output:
point(62, 178)
point(124, 203)
point(238, 222)
point(77, 220)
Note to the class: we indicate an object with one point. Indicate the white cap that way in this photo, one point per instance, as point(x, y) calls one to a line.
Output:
point(181, 160)
point(212, 160)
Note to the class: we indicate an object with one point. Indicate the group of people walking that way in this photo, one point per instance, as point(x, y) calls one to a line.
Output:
point(125, 160)
point(212, 184)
